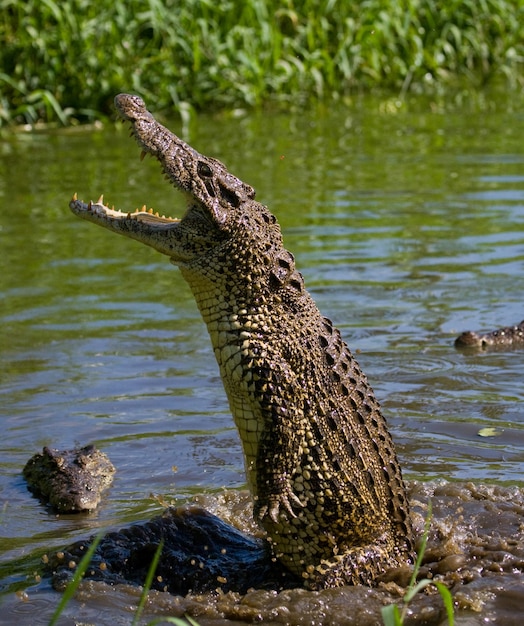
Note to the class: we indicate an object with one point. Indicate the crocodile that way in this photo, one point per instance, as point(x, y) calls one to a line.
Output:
point(500, 339)
point(320, 462)
point(69, 480)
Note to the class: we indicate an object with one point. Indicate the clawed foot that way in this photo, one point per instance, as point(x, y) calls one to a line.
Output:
point(282, 501)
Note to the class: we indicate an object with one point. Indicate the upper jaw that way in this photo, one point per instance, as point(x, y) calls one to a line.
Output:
point(174, 155)
point(156, 140)
point(205, 180)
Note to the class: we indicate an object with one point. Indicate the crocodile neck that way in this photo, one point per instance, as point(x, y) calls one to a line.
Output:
point(246, 325)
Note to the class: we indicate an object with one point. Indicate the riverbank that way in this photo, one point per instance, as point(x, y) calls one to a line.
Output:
point(64, 62)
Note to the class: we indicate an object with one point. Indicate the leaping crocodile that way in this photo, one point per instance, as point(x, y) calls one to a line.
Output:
point(320, 462)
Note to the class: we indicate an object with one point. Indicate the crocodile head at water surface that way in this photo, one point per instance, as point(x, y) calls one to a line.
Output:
point(500, 339)
point(70, 480)
point(320, 462)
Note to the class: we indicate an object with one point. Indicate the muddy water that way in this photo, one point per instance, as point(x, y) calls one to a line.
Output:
point(408, 225)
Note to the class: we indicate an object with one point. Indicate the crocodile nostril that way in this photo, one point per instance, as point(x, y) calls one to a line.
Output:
point(203, 169)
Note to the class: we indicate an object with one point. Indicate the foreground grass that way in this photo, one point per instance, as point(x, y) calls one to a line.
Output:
point(392, 615)
point(64, 61)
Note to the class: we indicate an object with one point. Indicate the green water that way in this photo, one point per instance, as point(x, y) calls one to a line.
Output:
point(408, 225)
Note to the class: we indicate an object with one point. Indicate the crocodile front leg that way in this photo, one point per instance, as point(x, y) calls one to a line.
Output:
point(275, 495)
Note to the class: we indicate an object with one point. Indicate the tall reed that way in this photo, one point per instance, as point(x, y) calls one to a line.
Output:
point(64, 60)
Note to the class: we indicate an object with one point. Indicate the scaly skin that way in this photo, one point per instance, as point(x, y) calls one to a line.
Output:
point(320, 462)
point(503, 338)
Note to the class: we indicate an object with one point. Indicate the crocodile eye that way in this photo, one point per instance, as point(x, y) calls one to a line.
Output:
point(203, 169)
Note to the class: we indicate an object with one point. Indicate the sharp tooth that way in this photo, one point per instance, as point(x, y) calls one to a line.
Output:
point(150, 211)
point(143, 155)
point(100, 200)
point(75, 197)
point(156, 214)
point(143, 209)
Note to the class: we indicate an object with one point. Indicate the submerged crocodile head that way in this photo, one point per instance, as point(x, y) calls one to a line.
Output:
point(216, 200)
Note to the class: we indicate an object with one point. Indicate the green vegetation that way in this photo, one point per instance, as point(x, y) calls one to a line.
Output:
point(391, 614)
point(64, 61)
point(147, 583)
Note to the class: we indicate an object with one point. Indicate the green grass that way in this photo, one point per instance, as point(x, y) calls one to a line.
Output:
point(392, 615)
point(147, 584)
point(63, 62)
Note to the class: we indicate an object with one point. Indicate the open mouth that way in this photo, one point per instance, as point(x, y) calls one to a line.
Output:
point(132, 110)
point(102, 213)
point(188, 171)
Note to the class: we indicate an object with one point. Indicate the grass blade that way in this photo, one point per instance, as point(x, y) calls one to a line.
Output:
point(448, 601)
point(75, 581)
point(147, 583)
point(391, 615)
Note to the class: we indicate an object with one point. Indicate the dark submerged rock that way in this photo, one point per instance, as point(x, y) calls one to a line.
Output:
point(200, 553)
